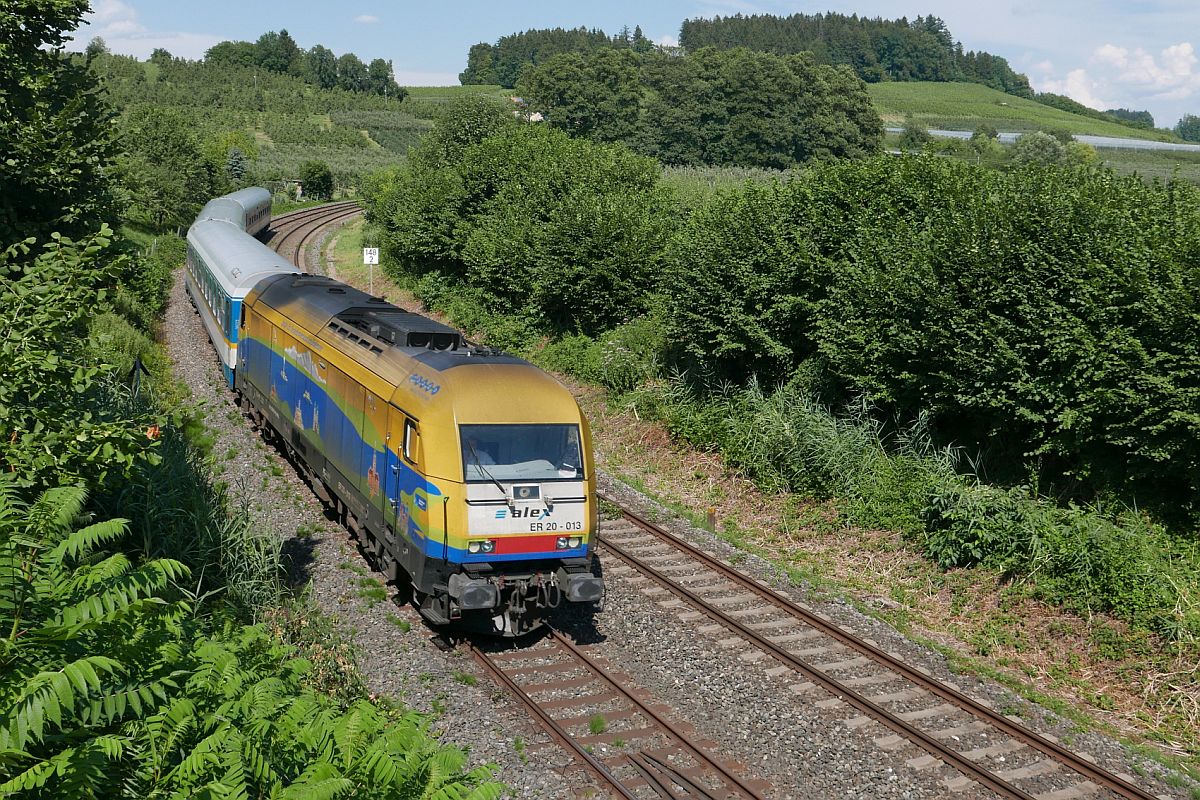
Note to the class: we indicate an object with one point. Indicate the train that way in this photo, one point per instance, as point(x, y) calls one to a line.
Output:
point(466, 473)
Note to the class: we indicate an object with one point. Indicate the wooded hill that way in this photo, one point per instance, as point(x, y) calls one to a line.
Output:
point(877, 49)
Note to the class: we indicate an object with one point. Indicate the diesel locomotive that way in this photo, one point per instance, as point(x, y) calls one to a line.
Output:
point(465, 472)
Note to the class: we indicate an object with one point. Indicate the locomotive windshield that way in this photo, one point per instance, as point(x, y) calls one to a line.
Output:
point(521, 452)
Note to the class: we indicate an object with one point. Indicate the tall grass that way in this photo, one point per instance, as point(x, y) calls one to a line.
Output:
point(176, 511)
point(1089, 559)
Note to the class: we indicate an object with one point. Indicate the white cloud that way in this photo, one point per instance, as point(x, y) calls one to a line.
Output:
point(117, 23)
point(366, 19)
point(1046, 67)
point(1078, 86)
point(1130, 77)
point(667, 40)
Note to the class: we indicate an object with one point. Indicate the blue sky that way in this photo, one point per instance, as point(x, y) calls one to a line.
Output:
point(1105, 53)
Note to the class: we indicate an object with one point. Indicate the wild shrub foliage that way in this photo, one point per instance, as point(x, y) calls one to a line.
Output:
point(1048, 315)
point(58, 408)
point(110, 688)
point(565, 232)
point(890, 478)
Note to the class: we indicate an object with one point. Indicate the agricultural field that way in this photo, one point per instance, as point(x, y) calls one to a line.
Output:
point(425, 101)
point(965, 106)
point(1153, 165)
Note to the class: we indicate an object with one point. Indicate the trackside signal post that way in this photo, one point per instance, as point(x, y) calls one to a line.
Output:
point(371, 258)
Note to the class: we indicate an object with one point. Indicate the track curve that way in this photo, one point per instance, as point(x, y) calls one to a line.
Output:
point(290, 234)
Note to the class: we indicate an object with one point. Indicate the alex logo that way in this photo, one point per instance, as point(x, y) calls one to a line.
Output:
point(424, 383)
point(522, 513)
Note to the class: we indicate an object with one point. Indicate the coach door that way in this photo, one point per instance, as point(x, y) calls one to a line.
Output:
point(403, 477)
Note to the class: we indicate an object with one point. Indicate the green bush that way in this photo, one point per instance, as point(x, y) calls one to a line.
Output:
point(565, 233)
point(64, 413)
point(624, 358)
point(745, 274)
point(1086, 560)
point(632, 353)
point(1044, 314)
point(574, 354)
point(473, 311)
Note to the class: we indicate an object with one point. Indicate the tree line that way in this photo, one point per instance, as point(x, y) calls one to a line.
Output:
point(1142, 120)
point(726, 107)
point(278, 52)
point(876, 49)
point(503, 62)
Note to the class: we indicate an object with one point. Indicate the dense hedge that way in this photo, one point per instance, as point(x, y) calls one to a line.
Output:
point(1044, 313)
point(1041, 322)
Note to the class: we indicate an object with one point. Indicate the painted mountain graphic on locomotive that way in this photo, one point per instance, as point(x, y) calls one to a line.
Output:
point(465, 471)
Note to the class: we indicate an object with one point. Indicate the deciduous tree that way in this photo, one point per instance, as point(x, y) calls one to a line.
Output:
point(56, 141)
point(316, 179)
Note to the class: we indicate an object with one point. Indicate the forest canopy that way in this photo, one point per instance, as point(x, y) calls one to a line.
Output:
point(876, 49)
point(727, 107)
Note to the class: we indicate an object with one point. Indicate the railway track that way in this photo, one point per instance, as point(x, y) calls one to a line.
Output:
point(984, 746)
point(628, 744)
point(292, 233)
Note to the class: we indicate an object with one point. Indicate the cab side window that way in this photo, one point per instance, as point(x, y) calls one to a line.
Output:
point(412, 439)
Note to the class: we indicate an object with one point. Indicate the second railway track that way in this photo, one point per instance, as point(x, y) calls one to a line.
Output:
point(629, 743)
point(291, 233)
point(984, 746)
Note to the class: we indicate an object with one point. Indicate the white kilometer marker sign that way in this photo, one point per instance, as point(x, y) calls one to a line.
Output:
point(371, 258)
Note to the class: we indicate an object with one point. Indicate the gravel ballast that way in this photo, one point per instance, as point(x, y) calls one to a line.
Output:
point(799, 744)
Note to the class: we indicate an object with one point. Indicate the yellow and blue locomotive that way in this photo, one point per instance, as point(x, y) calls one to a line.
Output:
point(465, 471)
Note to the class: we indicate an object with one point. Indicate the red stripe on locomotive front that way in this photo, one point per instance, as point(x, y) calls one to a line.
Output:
point(539, 543)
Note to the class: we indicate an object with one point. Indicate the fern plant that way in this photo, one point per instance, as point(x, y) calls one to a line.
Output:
point(75, 620)
point(109, 687)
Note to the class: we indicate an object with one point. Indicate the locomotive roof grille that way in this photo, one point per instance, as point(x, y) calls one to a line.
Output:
point(396, 328)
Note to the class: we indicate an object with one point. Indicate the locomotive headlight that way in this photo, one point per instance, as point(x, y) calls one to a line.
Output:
point(562, 543)
point(481, 546)
point(575, 541)
point(473, 548)
point(488, 545)
point(526, 493)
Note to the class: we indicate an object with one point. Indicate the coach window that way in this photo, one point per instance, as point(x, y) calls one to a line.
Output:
point(412, 441)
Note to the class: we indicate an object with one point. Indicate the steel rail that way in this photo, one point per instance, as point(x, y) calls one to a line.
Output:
point(311, 228)
point(1084, 768)
point(284, 225)
point(591, 763)
point(731, 780)
point(300, 232)
point(301, 213)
